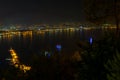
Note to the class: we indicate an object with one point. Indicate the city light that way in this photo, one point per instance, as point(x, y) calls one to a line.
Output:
point(15, 61)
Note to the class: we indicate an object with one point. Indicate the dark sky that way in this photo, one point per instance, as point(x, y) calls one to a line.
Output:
point(40, 11)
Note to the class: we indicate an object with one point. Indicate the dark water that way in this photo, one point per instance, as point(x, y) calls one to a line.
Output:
point(34, 42)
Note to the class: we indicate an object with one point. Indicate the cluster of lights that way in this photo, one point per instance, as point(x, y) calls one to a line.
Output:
point(15, 61)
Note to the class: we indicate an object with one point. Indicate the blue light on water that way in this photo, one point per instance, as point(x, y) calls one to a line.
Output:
point(58, 47)
point(91, 40)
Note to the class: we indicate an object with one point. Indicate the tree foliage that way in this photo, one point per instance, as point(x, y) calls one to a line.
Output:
point(95, 56)
point(103, 11)
point(113, 67)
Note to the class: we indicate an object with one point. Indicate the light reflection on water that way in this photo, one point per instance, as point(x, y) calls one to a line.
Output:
point(33, 42)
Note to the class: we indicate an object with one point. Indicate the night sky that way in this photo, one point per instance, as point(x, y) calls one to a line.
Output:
point(40, 11)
